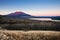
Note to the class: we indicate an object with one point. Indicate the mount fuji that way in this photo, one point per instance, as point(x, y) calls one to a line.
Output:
point(25, 15)
point(18, 15)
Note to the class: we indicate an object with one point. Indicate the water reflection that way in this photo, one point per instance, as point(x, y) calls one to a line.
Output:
point(44, 19)
point(41, 18)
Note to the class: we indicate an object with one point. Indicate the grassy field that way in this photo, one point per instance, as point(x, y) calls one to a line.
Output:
point(29, 35)
point(9, 29)
point(27, 24)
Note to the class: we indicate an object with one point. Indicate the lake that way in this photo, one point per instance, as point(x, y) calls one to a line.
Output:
point(44, 19)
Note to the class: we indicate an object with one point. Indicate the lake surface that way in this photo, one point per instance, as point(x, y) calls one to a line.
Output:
point(41, 18)
point(44, 19)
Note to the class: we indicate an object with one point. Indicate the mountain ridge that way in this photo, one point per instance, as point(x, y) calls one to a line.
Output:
point(20, 14)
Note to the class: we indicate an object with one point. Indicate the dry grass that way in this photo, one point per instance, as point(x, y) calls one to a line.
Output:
point(29, 35)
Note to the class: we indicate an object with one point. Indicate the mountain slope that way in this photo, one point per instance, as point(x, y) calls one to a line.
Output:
point(18, 15)
point(25, 15)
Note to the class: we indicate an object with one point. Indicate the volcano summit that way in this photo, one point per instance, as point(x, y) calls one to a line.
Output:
point(18, 15)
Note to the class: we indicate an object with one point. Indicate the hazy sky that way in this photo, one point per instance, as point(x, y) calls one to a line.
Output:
point(33, 7)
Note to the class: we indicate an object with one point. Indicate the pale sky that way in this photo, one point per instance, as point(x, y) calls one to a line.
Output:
point(32, 7)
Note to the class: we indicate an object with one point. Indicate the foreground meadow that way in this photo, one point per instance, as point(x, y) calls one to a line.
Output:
point(29, 35)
